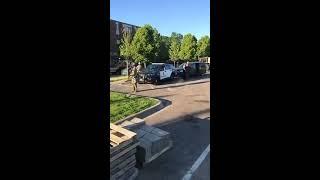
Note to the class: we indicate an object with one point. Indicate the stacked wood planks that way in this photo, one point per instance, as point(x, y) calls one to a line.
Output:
point(123, 148)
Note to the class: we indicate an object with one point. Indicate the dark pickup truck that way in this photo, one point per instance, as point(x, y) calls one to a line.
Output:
point(196, 69)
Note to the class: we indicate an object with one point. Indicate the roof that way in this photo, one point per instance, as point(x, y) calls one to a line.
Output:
point(125, 23)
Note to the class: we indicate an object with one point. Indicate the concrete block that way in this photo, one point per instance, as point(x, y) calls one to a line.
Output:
point(147, 128)
point(160, 132)
point(153, 142)
point(140, 133)
point(151, 137)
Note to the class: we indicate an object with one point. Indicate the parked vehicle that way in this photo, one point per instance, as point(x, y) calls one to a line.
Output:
point(117, 65)
point(197, 69)
point(157, 72)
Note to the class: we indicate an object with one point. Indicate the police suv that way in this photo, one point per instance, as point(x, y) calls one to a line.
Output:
point(156, 72)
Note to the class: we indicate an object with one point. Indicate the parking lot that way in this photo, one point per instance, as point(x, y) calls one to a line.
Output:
point(187, 117)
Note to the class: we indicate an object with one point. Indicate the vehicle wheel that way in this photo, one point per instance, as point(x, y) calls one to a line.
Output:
point(171, 76)
point(157, 82)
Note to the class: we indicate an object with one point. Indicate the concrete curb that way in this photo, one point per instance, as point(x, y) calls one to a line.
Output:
point(143, 114)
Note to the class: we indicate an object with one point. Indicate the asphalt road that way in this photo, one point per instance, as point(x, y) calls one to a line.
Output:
point(187, 118)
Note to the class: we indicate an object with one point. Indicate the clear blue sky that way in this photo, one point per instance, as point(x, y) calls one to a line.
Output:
point(167, 16)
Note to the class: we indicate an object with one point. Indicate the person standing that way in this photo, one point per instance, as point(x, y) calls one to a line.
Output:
point(139, 68)
point(186, 70)
point(134, 78)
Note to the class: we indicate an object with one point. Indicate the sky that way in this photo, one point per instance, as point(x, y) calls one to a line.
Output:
point(167, 16)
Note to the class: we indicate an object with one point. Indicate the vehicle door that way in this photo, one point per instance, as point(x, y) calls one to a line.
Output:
point(162, 72)
point(193, 69)
point(167, 71)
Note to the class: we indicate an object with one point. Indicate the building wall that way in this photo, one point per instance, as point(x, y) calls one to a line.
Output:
point(116, 31)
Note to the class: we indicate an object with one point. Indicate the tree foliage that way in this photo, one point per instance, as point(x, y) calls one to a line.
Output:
point(203, 47)
point(175, 43)
point(146, 44)
point(164, 49)
point(188, 50)
point(125, 47)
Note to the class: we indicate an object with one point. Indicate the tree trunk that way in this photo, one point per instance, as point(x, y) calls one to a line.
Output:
point(128, 69)
point(145, 65)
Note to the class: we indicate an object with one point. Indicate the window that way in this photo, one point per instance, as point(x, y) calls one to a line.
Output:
point(118, 41)
point(169, 66)
point(127, 28)
point(117, 28)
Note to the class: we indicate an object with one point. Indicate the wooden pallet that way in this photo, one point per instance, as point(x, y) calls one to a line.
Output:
point(123, 144)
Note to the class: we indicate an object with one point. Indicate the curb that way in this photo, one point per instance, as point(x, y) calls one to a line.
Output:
point(143, 114)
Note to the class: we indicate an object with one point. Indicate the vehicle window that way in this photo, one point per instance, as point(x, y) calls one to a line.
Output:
point(154, 68)
point(169, 66)
point(181, 66)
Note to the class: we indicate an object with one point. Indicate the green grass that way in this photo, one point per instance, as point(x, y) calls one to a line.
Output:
point(118, 78)
point(122, 106)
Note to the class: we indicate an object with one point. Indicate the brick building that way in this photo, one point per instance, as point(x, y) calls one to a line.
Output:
point(116, 30)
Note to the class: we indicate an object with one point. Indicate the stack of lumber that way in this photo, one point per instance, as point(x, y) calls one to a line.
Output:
point(123, 148)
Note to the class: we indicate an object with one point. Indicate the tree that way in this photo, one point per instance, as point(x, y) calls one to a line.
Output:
point(203, 47)
point(176, 36)
point(126, 48)
point(164, 49)
point(188, 50)
point(146, 44)
point(175, 43)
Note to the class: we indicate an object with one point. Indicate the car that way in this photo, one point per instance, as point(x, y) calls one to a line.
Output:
point(197, 69)
point(157, 72)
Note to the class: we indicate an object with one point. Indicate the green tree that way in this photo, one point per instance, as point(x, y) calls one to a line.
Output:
point(146, 44)
point(203, 47)
point(188, 50)
point(175, 43)
point(125, 48)
point(176, 36)
point(164, 49)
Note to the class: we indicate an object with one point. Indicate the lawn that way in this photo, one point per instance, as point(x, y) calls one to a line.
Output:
point(118, 78)
point(122, 106)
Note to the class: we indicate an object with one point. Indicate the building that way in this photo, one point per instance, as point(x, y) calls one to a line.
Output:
point(205, 59)
point(116, 31)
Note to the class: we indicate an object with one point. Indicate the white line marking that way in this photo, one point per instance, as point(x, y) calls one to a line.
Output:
point(196, 165)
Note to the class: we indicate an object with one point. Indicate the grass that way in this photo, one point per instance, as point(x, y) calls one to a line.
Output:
point(118, 78)
point(122, 106)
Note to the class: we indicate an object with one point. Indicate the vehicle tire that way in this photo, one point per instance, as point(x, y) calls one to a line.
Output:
point(157, 81)
point(172, 76)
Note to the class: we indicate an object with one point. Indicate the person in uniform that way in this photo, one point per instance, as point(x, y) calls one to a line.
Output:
point(186, 70)
point(134, 78)
point(139, 67)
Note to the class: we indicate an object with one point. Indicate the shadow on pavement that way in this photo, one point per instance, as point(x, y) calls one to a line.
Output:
point(190, 137)
point(180, 85)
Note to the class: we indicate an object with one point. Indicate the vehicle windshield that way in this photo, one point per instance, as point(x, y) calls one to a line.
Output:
point(181, 66)
point(154, 68)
